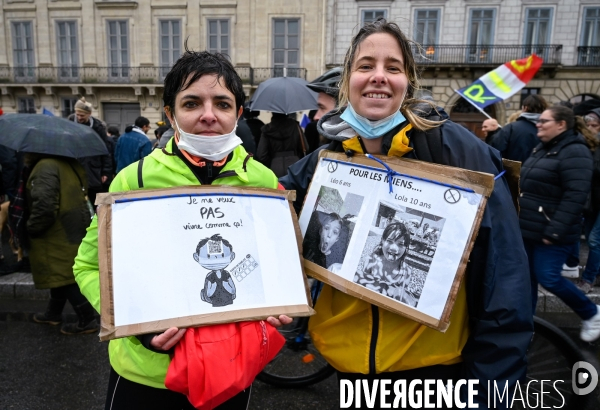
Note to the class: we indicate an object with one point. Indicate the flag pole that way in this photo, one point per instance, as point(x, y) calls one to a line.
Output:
point(474, 105)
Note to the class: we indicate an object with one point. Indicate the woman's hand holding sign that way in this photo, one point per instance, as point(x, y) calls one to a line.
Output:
point(169, 338)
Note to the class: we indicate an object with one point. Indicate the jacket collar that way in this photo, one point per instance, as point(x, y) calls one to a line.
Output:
point(560, 141)
point(169, 159)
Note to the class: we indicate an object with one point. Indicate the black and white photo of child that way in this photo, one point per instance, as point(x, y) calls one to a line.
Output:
point(385, 271)
point(215, 254)
point(398, 252)
point(326, 240)
point(328, 232)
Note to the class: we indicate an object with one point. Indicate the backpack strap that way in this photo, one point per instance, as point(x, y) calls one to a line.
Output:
point(139, 173)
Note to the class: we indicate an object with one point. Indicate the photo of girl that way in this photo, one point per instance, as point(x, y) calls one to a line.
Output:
point(398, 252)
point(385, 271)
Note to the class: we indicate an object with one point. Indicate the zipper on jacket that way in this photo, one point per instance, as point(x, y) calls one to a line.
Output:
point(541, 209)
point(209, 170)
point(374, 335)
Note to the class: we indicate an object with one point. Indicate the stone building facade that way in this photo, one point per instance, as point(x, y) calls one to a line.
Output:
point(464, 39)
point(116, 53)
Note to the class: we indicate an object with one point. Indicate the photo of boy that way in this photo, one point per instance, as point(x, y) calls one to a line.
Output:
point(326, 240)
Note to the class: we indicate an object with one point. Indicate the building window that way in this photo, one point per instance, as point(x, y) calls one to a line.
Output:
point(170, 44)
point(481, 35)
point(286, 47)
point(537, 31)
point(22, 42)
point(68, 106)
point(426, 26)
point(526, 92)
point(589, 51)
point(26, 105)
point(218, 36)
point(118, 49)
point(68, 55)
point(369, 16)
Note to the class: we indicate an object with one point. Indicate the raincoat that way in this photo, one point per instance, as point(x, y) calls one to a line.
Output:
point(491, 324)
point(161, 169)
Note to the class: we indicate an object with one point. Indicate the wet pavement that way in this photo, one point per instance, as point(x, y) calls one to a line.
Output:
point(42, 369)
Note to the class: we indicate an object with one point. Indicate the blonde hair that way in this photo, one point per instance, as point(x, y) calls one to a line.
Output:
point(590, 137)
point(409, 106)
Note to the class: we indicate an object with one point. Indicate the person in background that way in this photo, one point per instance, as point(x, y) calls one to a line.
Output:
point(243, 131)
point(133, 145)
point(490, 127)
point(253, 122)
point(491, 322)
point(592, 121)
point(591, 223)
point(99, 169)
point(58, 217)
point(550, 212)
point(281, 144)
point(516, 140)
point(203, 97)
point(113, 133)
point(327, 85)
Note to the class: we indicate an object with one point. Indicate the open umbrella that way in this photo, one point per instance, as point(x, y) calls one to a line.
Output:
point(43, 134)
point(283, 95)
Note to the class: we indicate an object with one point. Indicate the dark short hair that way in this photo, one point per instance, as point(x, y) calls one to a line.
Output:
point(535, 103)
point(216, 238)
point(113, 130)
point(191, 66)
point(141, 122)
point(560, 113)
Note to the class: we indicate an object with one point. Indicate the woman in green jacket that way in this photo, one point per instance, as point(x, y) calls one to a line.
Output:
point(203, 98)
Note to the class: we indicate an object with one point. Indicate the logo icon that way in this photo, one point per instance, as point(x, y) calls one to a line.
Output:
point(332, 167)
point(452, 196)
point(584, 378)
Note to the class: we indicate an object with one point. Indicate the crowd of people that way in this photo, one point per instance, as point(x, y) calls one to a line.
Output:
point(559, 198)
point(369, 105)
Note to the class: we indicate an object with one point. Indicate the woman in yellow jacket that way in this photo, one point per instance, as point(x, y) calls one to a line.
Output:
point(491, 323)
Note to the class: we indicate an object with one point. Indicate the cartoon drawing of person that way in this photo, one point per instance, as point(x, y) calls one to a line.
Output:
point(214, 254)
point(385, 271)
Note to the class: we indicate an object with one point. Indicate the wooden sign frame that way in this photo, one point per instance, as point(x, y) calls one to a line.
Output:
point(106, 254)
point(480, 183)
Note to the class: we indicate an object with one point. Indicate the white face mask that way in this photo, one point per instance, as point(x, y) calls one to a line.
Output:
point(212, 148)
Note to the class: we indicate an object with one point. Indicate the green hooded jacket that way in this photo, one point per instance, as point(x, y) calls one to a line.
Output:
point(58, 216)
point(161, 169)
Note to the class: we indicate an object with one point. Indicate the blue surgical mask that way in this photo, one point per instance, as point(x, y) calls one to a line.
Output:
point(371, 129)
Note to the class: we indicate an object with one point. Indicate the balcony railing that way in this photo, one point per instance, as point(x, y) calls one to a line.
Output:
point(435, 54)
point(588, 56)
point(125, 75)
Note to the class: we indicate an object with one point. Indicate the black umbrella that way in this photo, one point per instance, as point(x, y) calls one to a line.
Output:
point(283, 95)
point(43, 134)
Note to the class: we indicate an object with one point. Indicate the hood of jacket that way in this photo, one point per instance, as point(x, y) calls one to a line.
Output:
point(332, 127)
point(532, 117)
point(280, 128)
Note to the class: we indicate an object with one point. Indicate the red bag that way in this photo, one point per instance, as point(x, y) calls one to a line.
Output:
point(214, 363)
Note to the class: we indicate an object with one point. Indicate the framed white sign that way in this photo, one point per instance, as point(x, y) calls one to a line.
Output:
point(191, 256)
point(392, 231)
